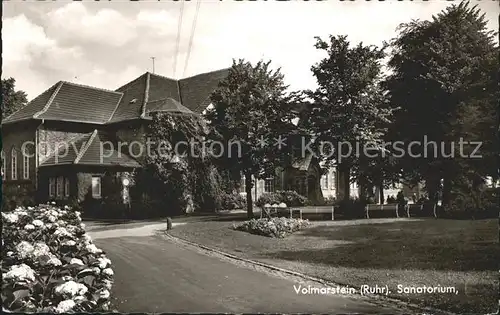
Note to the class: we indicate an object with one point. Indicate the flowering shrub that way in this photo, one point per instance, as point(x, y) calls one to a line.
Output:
point(275, 227)
point(289, 197)
point(49, 264)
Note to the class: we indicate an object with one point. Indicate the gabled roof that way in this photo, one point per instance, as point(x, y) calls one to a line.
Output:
point(75, 146)
point(86, 150)
point(67, 101)
point(143, 94)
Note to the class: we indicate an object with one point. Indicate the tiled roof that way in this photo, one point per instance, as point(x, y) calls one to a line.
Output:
point(145, 92)
point(33, 107)
point(196, 90)
point(86, 150)
point(82, 103)
point(110, 153)
point(134, 96)
point(74, 147)
point(168, 105)
point(162, 87)
point(70, 102)
point(73, 102)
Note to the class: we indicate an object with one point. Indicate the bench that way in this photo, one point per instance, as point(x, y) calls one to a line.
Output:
point(275, 209)
point(315, 210)
point(416, 209)
point(292, 210)
point(268, 211)
point(422, 210)
point(378, 208)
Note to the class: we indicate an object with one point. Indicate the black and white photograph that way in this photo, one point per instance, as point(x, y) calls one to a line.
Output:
point(216, 156)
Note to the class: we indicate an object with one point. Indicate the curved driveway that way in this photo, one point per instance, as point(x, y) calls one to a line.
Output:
point(155, 275)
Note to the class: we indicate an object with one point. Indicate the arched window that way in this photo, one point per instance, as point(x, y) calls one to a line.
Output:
point(333, 181)
point(13, 164)
point(26, 166)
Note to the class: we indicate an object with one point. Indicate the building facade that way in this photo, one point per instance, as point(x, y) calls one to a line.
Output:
point(63, 142)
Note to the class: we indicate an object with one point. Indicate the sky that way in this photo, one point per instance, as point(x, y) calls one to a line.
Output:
point(109, 43)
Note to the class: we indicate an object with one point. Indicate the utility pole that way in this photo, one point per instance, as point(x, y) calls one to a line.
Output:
point(153, 58)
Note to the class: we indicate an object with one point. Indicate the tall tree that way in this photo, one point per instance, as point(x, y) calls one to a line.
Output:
point(348, 105)
point(12, 99)
point(251, 109)
point(444, 80)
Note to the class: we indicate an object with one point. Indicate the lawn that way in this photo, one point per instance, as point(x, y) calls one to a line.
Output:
point(410, 252)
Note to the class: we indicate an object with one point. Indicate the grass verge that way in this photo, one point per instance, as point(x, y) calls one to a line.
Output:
point(454, 253)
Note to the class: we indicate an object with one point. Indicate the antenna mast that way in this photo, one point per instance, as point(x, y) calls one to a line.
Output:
point(153, 58)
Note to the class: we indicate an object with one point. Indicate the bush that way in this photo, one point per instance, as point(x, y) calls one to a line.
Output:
point(275, 227)
point(467, 204)
point(15, 195)
point(232, 201)
point(328, 201)
point(291, 198)
point(49, 263)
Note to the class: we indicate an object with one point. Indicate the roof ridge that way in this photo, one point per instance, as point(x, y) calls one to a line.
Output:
point(178, 82)
point(74, 138)
point(205, 73)
point(51, 99)
point(5, 118)
point(74, 120)
point(87, 145)
point(146, 95)
point(92, 87)
point(116, 108)
point(162, 76)
point(136, 79)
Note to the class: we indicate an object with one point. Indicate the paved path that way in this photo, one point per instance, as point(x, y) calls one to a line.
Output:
point(155, 275)
point(129, 230)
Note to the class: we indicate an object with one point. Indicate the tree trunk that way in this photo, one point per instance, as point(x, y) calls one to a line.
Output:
point(362, 189)
point(381, 193)
point(347, 183)
point(432, 187)
point(248, 190)
point(446, 200)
